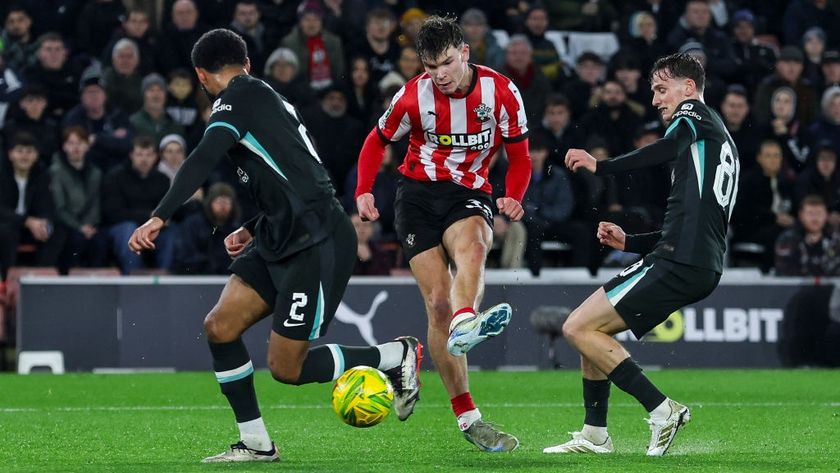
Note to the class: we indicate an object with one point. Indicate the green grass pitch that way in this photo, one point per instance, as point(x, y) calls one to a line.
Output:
point(765, 421)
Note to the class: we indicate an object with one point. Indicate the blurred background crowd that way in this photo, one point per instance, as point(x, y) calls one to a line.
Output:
point(99, 107)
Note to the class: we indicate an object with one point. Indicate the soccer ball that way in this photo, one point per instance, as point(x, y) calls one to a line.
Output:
point(362, 396)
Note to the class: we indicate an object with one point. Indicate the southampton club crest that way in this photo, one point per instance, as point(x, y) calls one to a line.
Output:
point(482, 113)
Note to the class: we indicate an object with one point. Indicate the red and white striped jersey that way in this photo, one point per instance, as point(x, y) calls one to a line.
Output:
point(452, 138)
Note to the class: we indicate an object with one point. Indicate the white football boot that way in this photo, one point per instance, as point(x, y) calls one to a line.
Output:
point(663, 433)
point(239, 452)
point(468, 330)
point(405, 378)
point(580, 444)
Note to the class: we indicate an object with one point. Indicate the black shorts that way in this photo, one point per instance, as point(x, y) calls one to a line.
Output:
point(424, 210)
point(648, 292)
point(304, 289)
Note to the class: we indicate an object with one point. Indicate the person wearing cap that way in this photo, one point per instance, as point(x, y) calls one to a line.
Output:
point(282, 73)
point(109, 128)
point(199, 244)
point(830, 68)
point(152, 119)
point(696, 24)
point(319, 52)
point(813, 45)
point(31, 117)
point(410, 23)
point(753, 60)
point(823, 179)
point(788, 72)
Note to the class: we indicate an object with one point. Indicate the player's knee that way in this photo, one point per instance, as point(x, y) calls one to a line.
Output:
point(571, 330)
point(283, 372)
point(440, 311)
point(217, 330)
point(475, 251)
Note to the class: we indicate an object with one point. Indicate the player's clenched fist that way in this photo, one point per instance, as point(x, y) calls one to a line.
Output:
point(511, 208)
point(367, 209)
point(610, 234)
point(236, 242)
point(580, 159)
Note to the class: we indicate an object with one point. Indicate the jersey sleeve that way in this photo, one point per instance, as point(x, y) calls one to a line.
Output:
point(395, 122)
point(513, 123)
point(230, 112)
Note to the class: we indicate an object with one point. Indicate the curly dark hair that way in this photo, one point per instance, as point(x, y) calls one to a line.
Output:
point(436, 35)
point(681, 65)
point(219, 48)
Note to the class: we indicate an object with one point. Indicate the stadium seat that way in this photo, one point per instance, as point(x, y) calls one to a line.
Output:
point(54, 360)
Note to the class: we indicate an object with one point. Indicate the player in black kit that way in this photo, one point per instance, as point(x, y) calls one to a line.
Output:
point(683, 261)
point(293, 260)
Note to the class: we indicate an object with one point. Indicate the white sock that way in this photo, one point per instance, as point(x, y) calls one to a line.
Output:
point(468, 418)
point(596, 435)
point(254, 435)
point(661, 412)
point(390, 355)
point(465, 315)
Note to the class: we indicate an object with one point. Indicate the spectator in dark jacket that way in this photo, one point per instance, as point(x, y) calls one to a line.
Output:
point(31, 117)
point(123, 78)
point(96, 23)
point(130, 194)
point(544, 53)
point(179, 36)
point(55, 73)
point(735, 111)
point(696, 24)
point(789, 74)
point(822, 179)
point(827, 128)
point(753, 60)
point(26, 207)
point(18, 38)
point(803, 14)
point(76, 186)
point(199, 246)
point(763, 208)
point(589, 72)
point(109, 129)
point(283, 75)
point(613, 119)
point(788, 131)
point(532, 84)
point(809, 248)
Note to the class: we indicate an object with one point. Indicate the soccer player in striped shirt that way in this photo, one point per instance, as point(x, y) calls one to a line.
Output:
point(457, 115)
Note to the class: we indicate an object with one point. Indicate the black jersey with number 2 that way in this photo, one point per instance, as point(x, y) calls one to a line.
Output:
point(703, 189)
point(274, 158)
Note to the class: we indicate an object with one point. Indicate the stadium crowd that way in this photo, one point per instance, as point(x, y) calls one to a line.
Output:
point(99, 107)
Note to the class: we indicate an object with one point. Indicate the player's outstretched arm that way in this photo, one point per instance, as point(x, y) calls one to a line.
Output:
point(665, 149)
point(517, 179)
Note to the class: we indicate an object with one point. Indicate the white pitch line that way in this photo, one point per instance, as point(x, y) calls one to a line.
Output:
point(435, 406)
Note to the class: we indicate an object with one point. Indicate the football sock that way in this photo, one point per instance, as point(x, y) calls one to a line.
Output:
point(661, 412)
point(465, 410)
point(461, 314)
point(596, 395)
point(254, 435)
point(235, 374)
point(327, 362)
point(390, 355)
point(596, 435)
point(629, 378)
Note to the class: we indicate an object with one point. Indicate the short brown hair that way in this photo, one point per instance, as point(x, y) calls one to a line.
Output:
point(79, 131)
point(144, 142)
